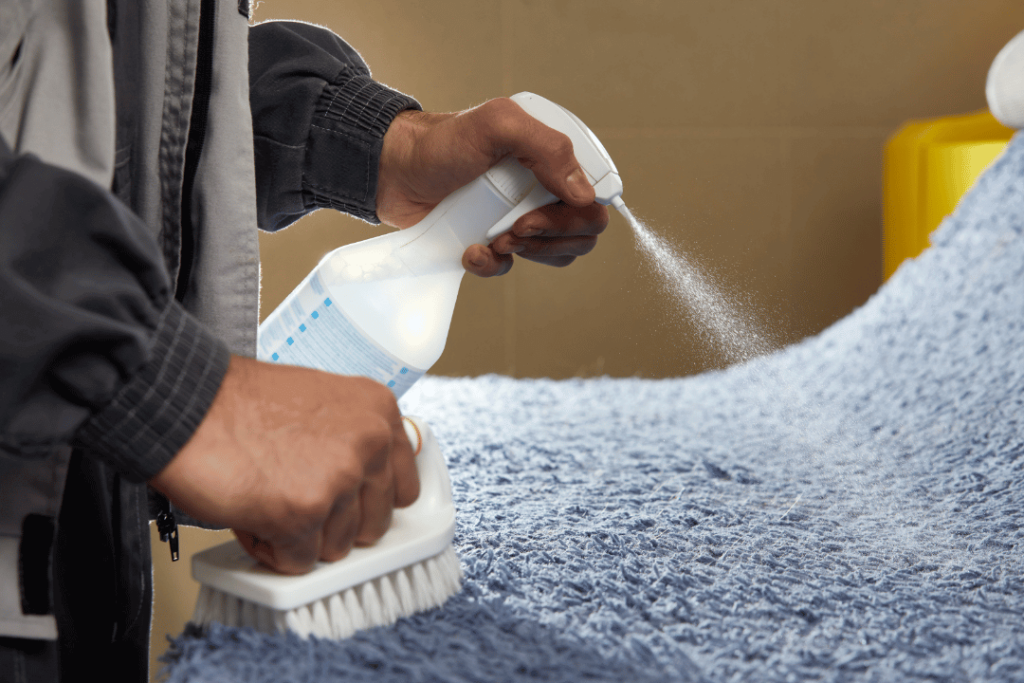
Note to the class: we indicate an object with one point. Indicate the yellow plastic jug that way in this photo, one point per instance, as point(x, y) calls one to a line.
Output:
point(929, 164)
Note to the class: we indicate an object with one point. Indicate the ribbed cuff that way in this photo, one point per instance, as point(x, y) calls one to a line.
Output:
point(156, 412)
point(345, 141)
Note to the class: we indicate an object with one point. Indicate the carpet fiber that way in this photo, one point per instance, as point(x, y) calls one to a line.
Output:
point(849, 508)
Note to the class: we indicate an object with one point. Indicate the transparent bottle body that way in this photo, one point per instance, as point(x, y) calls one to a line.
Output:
point(382, 308)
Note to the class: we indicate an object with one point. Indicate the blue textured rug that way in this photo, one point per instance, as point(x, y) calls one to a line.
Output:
point(847, 509)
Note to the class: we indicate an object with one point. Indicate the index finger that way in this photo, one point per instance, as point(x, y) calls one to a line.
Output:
point(506, 128)
point(561, 220)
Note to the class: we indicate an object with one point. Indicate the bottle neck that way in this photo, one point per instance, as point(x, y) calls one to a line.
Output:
point(464, 217)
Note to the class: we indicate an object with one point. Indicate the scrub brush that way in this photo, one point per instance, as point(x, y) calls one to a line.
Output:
point(412, 568)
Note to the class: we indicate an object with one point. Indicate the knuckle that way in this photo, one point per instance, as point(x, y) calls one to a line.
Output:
point(504, 121)
point(561, 146)
point(374, 443)
point(503, 110)
point(308, 508)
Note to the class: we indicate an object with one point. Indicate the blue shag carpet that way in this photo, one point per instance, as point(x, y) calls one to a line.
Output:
point(848, 509)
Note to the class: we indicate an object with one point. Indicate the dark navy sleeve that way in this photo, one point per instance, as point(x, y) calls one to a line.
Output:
point(318, 122)
point(94, 350)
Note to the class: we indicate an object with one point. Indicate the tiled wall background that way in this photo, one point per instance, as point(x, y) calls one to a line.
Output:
point(748, 132)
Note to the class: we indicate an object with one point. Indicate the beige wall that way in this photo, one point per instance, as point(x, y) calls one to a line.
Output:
point(749, 132)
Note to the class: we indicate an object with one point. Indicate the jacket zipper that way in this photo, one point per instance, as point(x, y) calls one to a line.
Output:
point(165, 522)
point(167, 525)
point(196, 138)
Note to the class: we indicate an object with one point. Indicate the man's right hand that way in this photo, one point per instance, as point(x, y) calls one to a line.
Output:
point(301, 464)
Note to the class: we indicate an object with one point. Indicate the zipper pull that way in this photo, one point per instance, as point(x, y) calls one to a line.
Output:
point(168, 529)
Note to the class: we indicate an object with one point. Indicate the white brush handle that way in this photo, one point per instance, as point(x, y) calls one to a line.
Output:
point(420, 531)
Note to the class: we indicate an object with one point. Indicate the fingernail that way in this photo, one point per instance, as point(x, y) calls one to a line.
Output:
point(476, 262)
point(578, 184)
point(527, 232)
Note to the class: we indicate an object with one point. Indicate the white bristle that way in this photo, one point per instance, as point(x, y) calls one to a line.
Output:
point(291, 621)
point(299, 621)
point(421, 585)
point(341, 623)
point(437, 582)
point(379, 602)
point(354, 609)
point(370, 601)
point(306, 619)
point(406, 598)
point(452, 570)
point(280, 621)
point(389, 603)
point(321, 619)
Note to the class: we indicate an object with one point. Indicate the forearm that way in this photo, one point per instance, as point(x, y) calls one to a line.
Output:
point(94, 352)
point(318, 121)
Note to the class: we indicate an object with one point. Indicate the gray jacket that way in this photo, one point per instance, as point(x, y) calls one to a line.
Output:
point(138, 153)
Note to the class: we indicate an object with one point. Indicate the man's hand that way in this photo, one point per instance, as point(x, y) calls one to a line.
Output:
point(301, 464)
point(428, 156)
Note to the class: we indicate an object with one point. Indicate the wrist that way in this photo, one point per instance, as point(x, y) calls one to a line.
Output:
point(159, 408)
point(402, 145)
point(203, 463)
point(399, 140)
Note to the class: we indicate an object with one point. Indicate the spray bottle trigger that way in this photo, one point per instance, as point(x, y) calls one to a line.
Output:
point(538, 197)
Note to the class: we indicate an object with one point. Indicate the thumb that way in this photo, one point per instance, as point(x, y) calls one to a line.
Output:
point(540, 148)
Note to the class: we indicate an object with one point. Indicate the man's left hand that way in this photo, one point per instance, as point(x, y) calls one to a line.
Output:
point(427, 156)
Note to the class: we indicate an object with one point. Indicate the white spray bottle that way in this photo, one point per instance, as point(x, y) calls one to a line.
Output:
point(381, 308)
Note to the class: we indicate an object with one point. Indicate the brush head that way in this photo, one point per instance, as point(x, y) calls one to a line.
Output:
point(379, 602)
point(411, 568)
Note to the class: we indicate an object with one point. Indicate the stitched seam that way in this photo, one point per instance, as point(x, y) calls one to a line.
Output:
point(29, 446)
point(261, 136)
point(352, 101)
point(338, 89)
